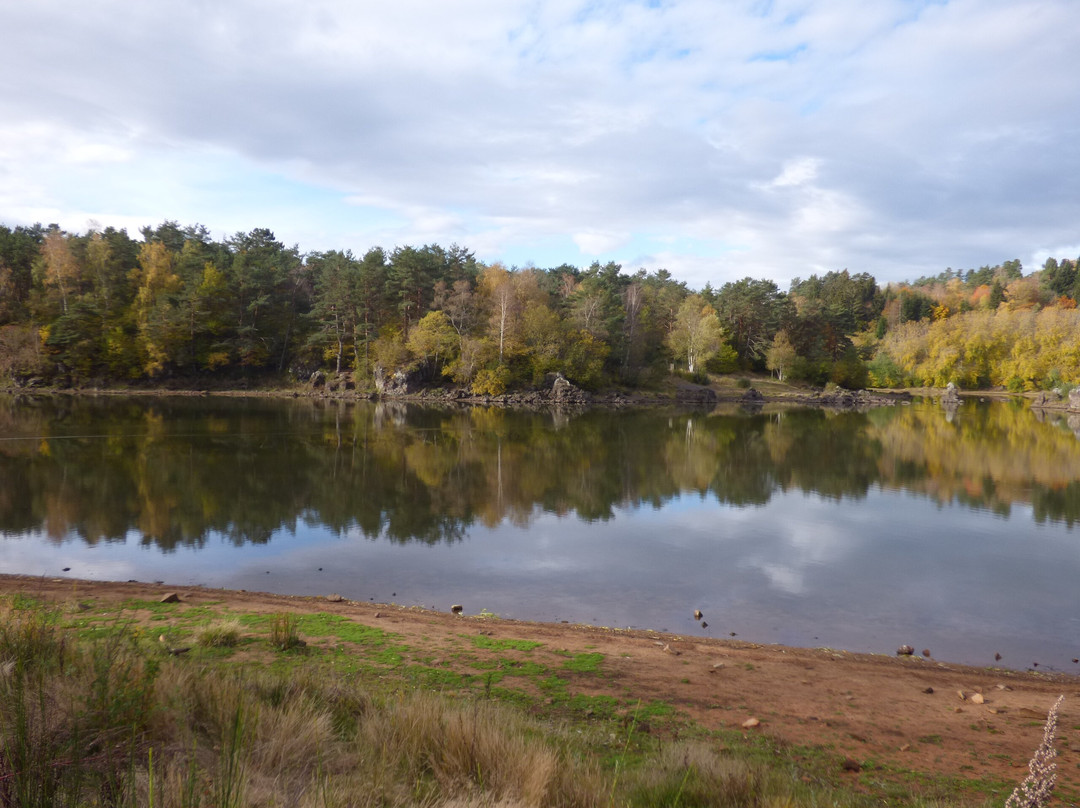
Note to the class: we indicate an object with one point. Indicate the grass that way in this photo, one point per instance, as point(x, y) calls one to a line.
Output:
point(97, 711)
point(224, 634)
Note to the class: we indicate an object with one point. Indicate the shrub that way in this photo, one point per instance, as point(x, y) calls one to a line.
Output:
point(219, 635)
point(491, 382)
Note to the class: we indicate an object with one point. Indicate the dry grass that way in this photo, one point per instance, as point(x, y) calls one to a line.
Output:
point(224, 634)
point(119, 722)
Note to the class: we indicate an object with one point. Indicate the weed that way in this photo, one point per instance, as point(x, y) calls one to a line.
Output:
point(284, 634)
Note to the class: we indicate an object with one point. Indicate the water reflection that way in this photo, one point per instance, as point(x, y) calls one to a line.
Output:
point(947, 529)
point(179, 470)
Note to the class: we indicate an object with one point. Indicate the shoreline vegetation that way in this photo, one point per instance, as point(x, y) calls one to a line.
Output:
point(134, 694)
point(178, 308)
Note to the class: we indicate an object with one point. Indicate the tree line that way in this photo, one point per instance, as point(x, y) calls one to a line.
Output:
point(177, 304)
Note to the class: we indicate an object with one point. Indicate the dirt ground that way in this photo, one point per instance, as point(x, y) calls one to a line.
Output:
point(905, 712)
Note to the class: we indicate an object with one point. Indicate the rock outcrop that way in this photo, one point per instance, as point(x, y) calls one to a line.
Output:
point(397, 383)
point(563, 392)
point(951, 396)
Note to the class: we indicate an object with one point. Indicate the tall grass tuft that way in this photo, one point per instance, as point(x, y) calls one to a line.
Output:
point(72, 717)
point(284, 632)
point(225, 634)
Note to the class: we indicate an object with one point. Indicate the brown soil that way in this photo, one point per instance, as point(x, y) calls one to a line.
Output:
point(898, 712)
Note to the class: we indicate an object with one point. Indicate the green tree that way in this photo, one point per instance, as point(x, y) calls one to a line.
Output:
point(696, 334)
point(334, 307)
point(263, 280)
point(753, 311)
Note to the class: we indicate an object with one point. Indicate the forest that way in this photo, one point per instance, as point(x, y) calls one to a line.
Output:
point(177, 307)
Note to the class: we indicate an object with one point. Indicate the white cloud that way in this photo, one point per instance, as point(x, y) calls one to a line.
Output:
point(598, 243)
point(895, 138)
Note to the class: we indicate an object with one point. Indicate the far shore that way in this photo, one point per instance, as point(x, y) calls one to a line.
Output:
point(761, 390)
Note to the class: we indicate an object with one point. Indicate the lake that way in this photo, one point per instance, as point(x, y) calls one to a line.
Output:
point(951, 530)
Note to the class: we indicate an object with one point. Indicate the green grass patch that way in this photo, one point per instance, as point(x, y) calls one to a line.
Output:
point(584, 663)
point(492, 644)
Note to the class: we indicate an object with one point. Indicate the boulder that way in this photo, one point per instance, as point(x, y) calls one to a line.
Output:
point(1074, 400)
point(951, 395)
point(395, 383)
point(563, 392)
point(696, 393)
point(1047, 398)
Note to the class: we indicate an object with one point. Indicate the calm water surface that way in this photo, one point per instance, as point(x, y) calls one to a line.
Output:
point(953, 531)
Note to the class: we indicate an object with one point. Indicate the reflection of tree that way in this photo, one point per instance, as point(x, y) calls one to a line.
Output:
point(179, 472)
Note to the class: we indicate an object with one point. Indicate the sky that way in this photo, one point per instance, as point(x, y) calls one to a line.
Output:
point(718, 139)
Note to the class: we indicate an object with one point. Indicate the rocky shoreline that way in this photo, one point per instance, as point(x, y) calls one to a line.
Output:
point(561, 394)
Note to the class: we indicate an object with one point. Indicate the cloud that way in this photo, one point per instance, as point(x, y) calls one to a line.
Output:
point(800, 171)
point(896, 138)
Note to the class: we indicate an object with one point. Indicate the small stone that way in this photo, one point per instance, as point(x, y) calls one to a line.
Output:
point(850, 765)
point(929, 691)
point(697, 614)
point(378, 615)
point(704, 624)
point(977, 698)
point(905, 650)
point(961, 694)
point(905, 747)
point(958, 709)
point(750, 723)
point(997, 657)
point(170, 597)
point(335, 598)
point(457, 608)
point(926, 652)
